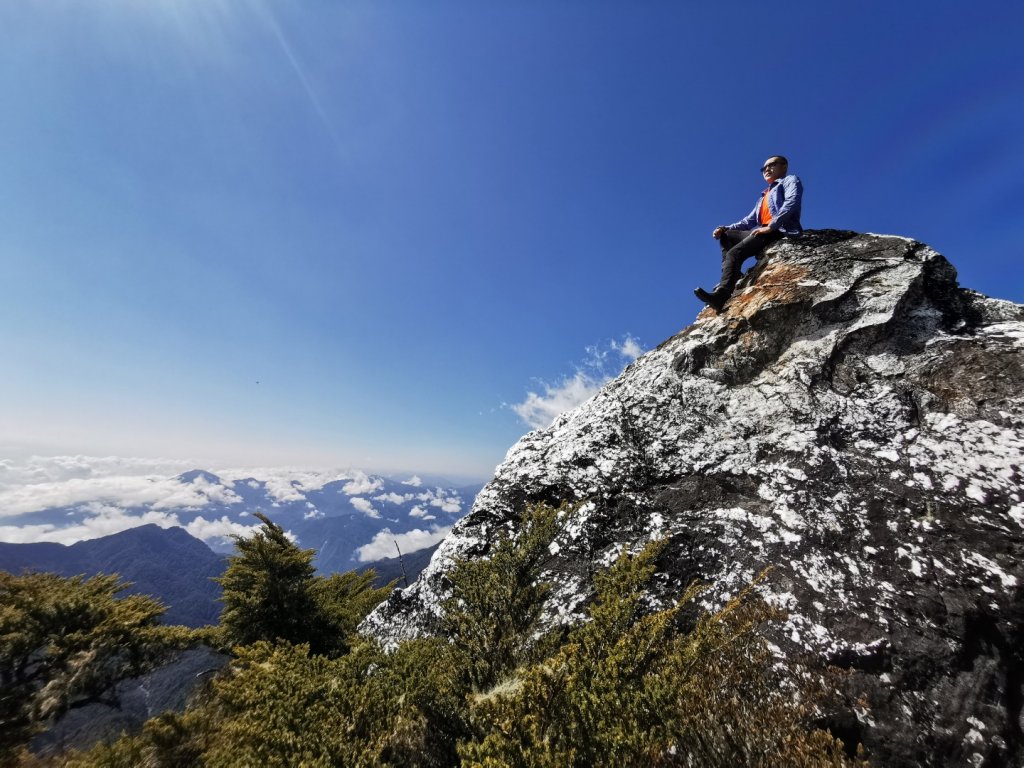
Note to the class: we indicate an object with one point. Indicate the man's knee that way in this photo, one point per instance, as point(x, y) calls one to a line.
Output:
point(756, 243)
point(732, 237)
point(748, 246)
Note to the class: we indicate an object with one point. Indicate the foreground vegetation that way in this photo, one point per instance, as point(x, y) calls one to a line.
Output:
point(630, 686)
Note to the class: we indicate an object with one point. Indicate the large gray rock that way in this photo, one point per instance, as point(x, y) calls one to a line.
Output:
point(852, 418)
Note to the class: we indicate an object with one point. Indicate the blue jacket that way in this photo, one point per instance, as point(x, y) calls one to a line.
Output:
point(784, 196)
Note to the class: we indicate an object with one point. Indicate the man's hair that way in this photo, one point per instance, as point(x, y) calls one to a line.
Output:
point(781, 159)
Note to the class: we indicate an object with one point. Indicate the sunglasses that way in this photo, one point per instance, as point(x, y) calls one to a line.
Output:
point(766, 166)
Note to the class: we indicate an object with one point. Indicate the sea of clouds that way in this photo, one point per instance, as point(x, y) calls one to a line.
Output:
point(107, 495)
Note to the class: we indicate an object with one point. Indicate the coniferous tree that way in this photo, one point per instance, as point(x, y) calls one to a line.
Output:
point(268, 590)
point(271, 593)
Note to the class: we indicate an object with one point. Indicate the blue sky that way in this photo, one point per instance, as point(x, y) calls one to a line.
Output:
point(360, 233)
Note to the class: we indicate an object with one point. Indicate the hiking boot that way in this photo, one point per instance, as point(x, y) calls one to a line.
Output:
point(713, 300)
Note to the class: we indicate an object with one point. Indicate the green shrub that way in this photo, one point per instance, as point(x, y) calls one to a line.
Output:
point(496, 602)
point(631, 686)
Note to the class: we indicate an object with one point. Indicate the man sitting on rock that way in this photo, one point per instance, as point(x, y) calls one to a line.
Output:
point(776, 214)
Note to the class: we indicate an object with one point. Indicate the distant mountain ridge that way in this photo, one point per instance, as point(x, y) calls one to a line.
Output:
point(166, 563)
point(351, 518)
point(170, 565)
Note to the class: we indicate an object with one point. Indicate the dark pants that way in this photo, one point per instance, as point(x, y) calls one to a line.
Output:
point(738, 245)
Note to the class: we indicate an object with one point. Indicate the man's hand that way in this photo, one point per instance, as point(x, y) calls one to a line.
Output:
point(718, 232)
point(762, 230)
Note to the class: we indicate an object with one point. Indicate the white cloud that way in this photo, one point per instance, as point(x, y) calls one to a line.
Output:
point(205, 529)
point(394, 498)
point(414, 481)
point(124, 491)
point(117, 493)
point(419, 511)
point(53, 469)
point(283, 489)
point(629, 347)
point(313, 514)
point(213, 491)
point(361, 484)
point(288, 483)
point(105, 520)
point(539, 410)
point(437, 498)
point(107, 495)
point(451, 505)
point(364, 506)
point(30, 534)
point(600, 366)
point(383, 544)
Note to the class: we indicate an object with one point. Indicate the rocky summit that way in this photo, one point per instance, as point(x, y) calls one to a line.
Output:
point(853, 419)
